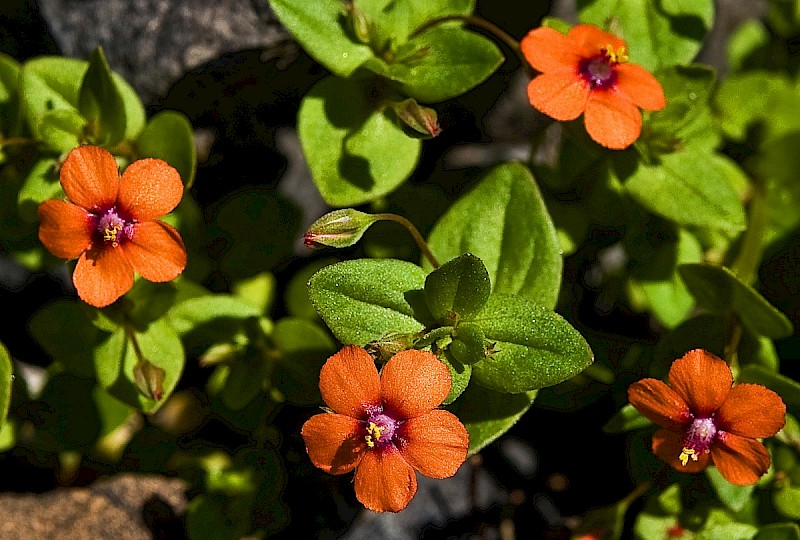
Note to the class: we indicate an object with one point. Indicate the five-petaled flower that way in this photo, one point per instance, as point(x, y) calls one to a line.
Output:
point(705, 418)
point(385, 425)
point(110, 223)
point(587, 71)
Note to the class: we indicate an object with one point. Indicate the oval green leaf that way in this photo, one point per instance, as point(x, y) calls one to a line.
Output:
point(169, 136)
point(504, 222)
point(458, 289)
point(535, 346)
point(366, 299)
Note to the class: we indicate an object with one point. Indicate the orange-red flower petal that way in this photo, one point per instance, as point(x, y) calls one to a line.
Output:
point(149, 189)
point(668, 445)
point(65, 229)
point(588, 38)
point(702, 380)
point(90, 177)
point(659, 403)
point(741, 460)
point(102, 276)
point(435, 444)
point(384, 481)
point(612, 120)
point(335, 442)
point(413, 383)
point(349, 382)
point(640, 87)
point(548, 50)
point(156, 251)
point(560, 95)
point(751, 410)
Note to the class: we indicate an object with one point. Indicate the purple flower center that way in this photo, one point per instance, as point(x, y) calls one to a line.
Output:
point(699, 436)
point(379, 428)
point(599, 71)
point(112, 228)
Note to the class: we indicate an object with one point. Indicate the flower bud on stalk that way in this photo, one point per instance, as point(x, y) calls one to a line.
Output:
point(338, 229)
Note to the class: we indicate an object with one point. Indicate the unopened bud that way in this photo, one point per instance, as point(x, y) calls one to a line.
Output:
point(359, 23)
point(418, 117)
point(338, 229)
point(149, 379)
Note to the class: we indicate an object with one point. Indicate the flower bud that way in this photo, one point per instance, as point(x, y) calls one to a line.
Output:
point(149, 379)
point(419, 118)
point(339, 229)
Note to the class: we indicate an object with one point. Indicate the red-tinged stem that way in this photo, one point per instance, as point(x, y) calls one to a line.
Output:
point(423, 245)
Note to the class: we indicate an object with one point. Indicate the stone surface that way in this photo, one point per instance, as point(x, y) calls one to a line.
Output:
point(124, 507)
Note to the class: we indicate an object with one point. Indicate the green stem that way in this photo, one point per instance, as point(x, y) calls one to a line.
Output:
point(482, 23)
point(423, 245)
point(749, 258)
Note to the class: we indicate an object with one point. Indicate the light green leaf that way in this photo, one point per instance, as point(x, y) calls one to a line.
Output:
point(690, 188)
point(364, 300)
point(732, 496)
point(504, 222)
point(346, 141)
point(536, 347)
point(657, 33)
point(442, 63)
point(100, 102)
point(168, 135)
point(320, 27)
point(41, 184)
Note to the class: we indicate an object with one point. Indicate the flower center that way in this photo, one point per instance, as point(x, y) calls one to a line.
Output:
point(112, 228)
point(600, 70)
point(698, 439)
point(380, 429)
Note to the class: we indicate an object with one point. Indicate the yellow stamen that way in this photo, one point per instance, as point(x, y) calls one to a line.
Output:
point(686, 453)
point(373, 434)
point(111, 234)
point(619, 56)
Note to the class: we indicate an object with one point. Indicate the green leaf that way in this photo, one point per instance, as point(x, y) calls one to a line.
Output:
point(734, 497)
point(9, 77)
point(787, 388)
point(442, 63)
point(246, 376)
point(66, 416)
point(346, 141)
point(53, 82)
point(657, 276)
point(74, 349)
point(116, 358)
point(458, 289)
point(778, 531)
point(168, 135)
point(672, 188)
point(536, 347)
point(469, 345)
point(744, 42)
point(778, 163)
point(504, 222)
point(296, 298)
point(211, 319)
point(6, 383)
point(364, 300)
point(62, 130)
point(303, 348)
point(626, 419)
point(787, 501)
point(320, 27)
point(41, 184)
point(100, 102)
point(717, 288)
point(657, 33)
point(487, 414)
point(460, 375)
point(728, 531)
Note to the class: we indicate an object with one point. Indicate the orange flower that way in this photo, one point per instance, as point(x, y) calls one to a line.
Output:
point(110, 223)
point(705, 419)
point(587, 71)
point(385, 426)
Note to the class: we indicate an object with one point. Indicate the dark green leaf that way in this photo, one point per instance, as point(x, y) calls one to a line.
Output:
point(366, 299)
point(460, 375)
point(168, 135)
point(469, 345)
point(778, 531)
point(346, 141)
point(657, 33)
point(626, 419)
point(303, 347)
point(320, 27)
point(100, 102)
point(488, 414)
point(536, 347)
point(504, 222)
point(717, 288)
point(72, 350)
point(458, 289)
point(66, 416)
